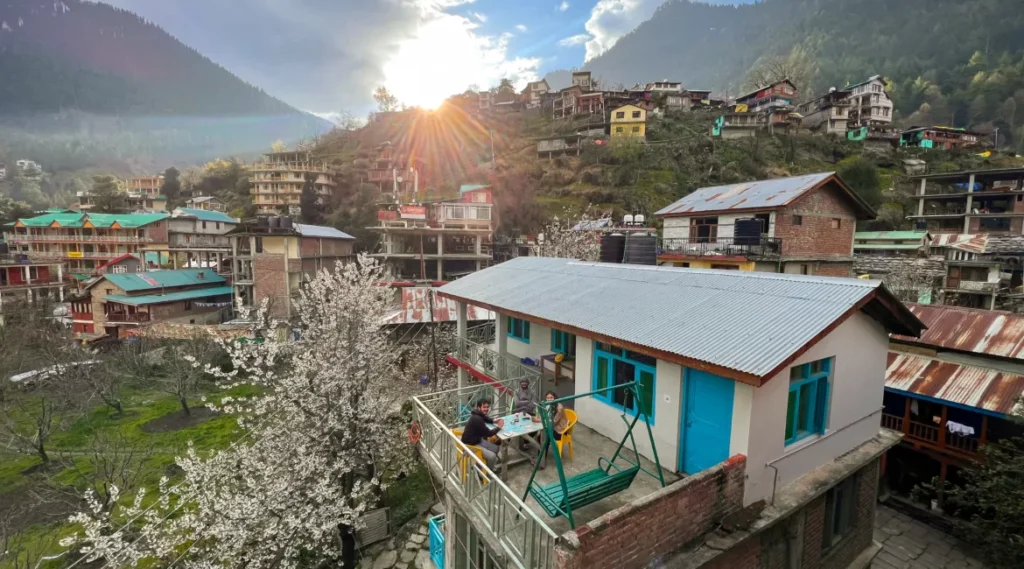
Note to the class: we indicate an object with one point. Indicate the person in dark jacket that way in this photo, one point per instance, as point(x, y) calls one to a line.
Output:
point(478, 430)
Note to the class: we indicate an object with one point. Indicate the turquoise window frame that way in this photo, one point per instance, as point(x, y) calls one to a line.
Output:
point(607, 397)
point(806, 383)
point(560, 342)
point(524, 329)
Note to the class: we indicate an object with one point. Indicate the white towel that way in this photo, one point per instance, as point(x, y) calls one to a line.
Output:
point(958, 429)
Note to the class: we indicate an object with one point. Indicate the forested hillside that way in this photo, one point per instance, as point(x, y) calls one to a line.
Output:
point(964, 59)
point(86, 85)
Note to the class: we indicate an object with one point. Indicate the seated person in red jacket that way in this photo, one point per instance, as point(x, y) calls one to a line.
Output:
point(478, 430)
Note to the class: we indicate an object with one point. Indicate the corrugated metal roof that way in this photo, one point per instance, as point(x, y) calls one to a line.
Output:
point(149, 280)
point(749, 322)
point(886, 246)
point(763, 194)
point(414, 307)
point(982, 388)
point(963, 241)
point(987, 332)
point(171, 296)
point(205, 215)
point(472, 187)
point(320, 231)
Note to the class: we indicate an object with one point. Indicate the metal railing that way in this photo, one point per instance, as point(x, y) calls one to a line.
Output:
point(199, 241)
point(931, 433)
point(487, 361)
point(73, 255)
point(980, 286)
point(526, 540)
point(127, 317)
point(23, 238)
point(722, 247)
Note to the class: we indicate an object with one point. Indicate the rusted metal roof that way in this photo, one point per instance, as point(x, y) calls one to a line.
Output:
point(414, 308)
point(986, 332)
point(760, 195)
point(962, 241)
point(981, 388)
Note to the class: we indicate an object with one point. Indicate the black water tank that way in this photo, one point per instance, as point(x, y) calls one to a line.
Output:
point(747, 231)
point(274, 222)
point(641, 249)
point(613, 247)
point(286, 223)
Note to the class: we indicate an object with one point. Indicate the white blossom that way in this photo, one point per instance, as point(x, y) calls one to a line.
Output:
point(325, 435)
point(572, 239)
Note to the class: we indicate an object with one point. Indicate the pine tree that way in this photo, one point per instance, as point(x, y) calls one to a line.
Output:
point(310, 205)
point(108, 196)
point(171, 189)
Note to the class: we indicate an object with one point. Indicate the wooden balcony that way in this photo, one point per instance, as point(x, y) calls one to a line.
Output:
point(933, 436)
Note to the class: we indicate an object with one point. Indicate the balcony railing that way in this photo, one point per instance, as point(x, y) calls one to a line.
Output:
point(486, 360)
point(931, 434)
point(127, 317)
point(31, 282)
point(179, 241)
point(952, 210)
point(522, 535)
point(722, 247)
point(73, 255)
point(23, 238)
point(979, 286)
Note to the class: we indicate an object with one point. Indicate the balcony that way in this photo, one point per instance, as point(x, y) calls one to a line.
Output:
point(722, 247)
point(127, 317)
point(70, 238)
point(972, 286)
point(464, 213)
point(949, 211)
point(199, 242)
point(74, 255)
point(931, 435)
point(52, 281)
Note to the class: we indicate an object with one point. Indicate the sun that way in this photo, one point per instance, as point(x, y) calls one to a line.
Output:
point(443, 58)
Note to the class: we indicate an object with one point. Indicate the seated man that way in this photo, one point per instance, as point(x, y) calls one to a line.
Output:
point(476, 432)
point(524, 399)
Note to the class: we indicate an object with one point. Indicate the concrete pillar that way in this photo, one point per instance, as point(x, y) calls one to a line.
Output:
point(501, 339)
point(477, 243)
point(992, 304)
point(970, 200)
point(461, 328)
point(920, 192)
point(440, 270)
point(25, 274)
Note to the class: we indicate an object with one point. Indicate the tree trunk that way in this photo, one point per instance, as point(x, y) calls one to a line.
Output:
point(41, 449)
point(184, 406)
point(348, 546)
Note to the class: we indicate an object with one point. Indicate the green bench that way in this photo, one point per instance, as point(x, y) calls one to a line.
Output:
point(583, 489)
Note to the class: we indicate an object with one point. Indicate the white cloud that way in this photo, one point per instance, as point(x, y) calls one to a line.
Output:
point(445, 55)
point(574, 40)
point(479, 16)
point(563, 6)
point(612, 19)
point(521, 27)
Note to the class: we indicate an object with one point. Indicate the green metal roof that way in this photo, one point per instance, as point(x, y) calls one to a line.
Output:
point(126, 220)
point(170, 297)
point(471, 187)
point(204, 215)
point(80, 276)
point(920, 235)
point(153, 280)
point(907, 246)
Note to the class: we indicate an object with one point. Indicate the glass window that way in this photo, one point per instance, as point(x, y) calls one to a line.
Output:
point(618, 129)
point(616, 366)
point(798, 220)
point(636, 129)
point(840, 512)
point(620, 115)
point(519, 329)
point(807, 404)
point(636, 114)
point(563, 343)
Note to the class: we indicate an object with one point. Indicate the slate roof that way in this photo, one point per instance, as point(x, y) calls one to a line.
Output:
point(744, 325)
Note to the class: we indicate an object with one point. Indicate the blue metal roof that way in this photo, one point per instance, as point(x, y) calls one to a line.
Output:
point(204, 215)
point(760, 195)
point(152, 280)
point(321, 231)
point(749, 322)
point(170, 297)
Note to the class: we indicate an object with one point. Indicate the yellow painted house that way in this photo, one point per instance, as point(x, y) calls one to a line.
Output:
point(629, 121)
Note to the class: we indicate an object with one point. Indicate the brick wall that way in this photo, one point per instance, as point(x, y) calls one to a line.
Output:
point(269, 282)
point(157, 232)
point(834, 269)
point(815, 235)
point(770, 547)
point(658, 524)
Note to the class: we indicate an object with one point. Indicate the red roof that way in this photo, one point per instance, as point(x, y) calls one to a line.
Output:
point(971, 386)
point(99, 269)
point(986, 332)
point(414, 307)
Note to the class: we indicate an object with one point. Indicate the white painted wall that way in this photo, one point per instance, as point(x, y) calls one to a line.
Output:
point(679, 227)
point(607, 421)
point(859, 346)
point(540, 343)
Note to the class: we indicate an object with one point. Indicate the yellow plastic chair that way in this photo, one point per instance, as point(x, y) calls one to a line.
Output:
point(464, 459)
point(566, 439)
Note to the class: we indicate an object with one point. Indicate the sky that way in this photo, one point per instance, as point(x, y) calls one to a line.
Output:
point(327, 56)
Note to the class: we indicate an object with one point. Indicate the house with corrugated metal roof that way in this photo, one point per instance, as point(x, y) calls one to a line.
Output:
point(720, 391)
point(796, 225)
point(116, 302)
point(951, 391)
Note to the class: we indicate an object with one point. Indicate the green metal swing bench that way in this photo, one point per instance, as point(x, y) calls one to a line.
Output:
point(568, 494)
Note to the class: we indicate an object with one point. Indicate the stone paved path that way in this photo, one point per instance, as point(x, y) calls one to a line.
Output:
point(910, 544)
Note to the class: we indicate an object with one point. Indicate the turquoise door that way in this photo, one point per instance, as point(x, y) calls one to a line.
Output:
point(707, 420)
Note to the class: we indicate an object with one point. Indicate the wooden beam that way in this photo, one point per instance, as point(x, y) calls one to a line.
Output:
point(906, 417)
point(984, 431)
point(942, 427)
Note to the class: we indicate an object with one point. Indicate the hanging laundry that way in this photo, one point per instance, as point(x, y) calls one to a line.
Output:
point(958, 429)
point(913, 406)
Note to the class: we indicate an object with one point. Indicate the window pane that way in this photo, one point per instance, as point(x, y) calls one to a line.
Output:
point(647, 391)
point(790, 411)
point(526, 330)
point(808, 400)
point(819, 366)
point(624, 373)
point(571, 346)
point(601, 374)
point(798, 372)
